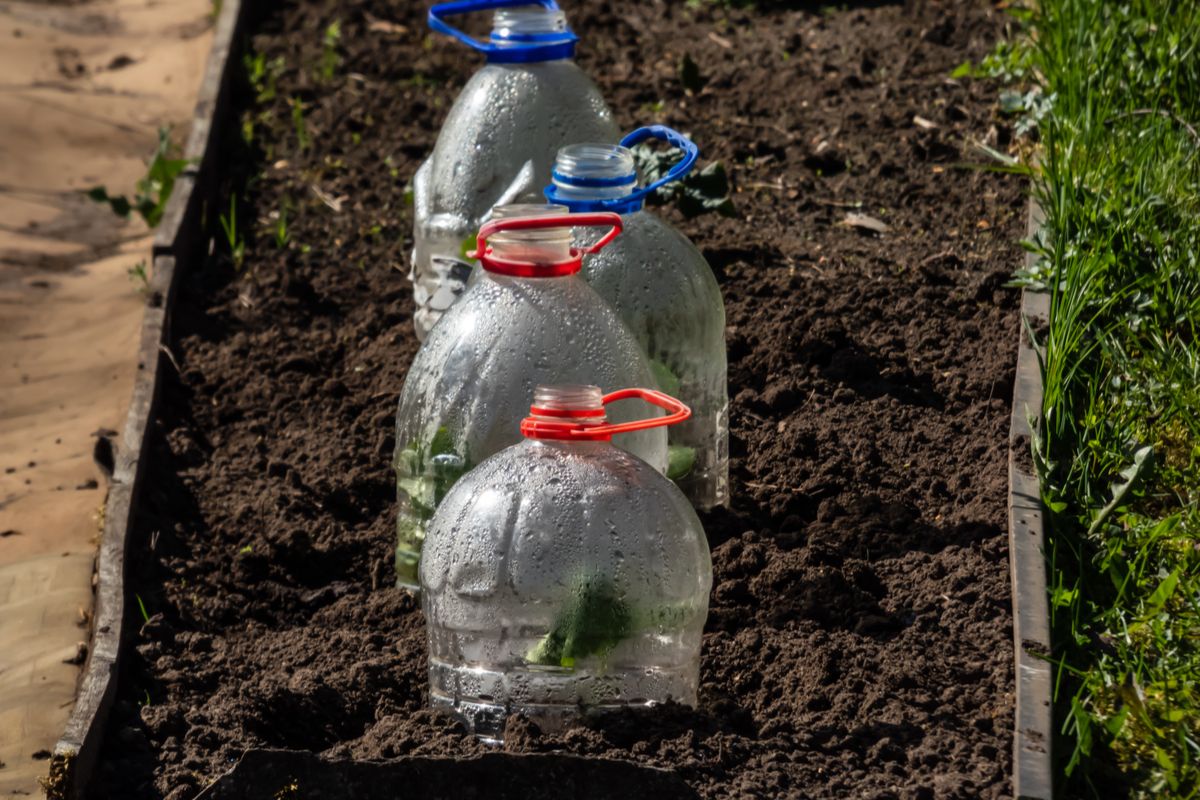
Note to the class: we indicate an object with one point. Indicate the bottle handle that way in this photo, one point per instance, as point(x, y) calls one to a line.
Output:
point(540, 47)
point(633, 201)
point(672, 137)
point(597, 219)
point(571, 427)
point(678, 411)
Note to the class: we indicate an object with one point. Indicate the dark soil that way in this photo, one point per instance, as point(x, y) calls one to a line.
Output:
point(860, 633)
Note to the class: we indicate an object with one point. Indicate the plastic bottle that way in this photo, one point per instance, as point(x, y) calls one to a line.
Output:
point(664, 290)
point(498, 142)
point(529, 320)
point(563, 575)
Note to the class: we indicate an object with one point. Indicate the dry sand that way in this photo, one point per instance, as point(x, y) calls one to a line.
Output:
point(84, 87)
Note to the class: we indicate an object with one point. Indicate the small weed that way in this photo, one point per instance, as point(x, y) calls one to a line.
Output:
point(138, 275)
point(420, 80)
point(142, 606)
point(330, 60)
point(153, 191)
point(263, 75)
point(303, 137)
point(246, 549)
point(237, 244)
point(282, 234)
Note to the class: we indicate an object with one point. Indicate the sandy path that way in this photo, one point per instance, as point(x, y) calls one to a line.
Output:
point(84, 89)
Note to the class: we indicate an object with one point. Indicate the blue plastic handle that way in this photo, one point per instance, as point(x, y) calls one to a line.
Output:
point(633, 201)
point(532, 47)
point(671, 137)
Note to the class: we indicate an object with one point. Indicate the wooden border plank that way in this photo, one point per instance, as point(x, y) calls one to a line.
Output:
point(1033, 775)
point(176, 247)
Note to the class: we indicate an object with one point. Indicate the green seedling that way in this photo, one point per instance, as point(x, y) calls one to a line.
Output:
point(420, 80)
point(264, 75)
point(330, 60)
point(142, 606)
point(303, 137)
point(153, 191)
point(138, 275)
point(591, 622)
point(282, 234)
point(237, 244)
point(594, 619)
point(425, 474)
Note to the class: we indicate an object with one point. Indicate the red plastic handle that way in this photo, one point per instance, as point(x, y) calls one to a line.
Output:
point(571, 426)
point(550, 221)
point(679, 412)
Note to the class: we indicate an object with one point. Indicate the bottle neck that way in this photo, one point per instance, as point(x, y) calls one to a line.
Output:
point(536, 246)
point(531, 34)
point(587, 173)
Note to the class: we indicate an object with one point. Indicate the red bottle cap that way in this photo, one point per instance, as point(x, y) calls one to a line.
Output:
point(527, 269)
point(572, 424)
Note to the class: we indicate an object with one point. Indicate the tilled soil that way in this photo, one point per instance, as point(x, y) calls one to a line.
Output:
point(859, 641)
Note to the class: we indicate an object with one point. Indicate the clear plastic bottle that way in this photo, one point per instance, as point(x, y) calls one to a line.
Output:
point(529, 320)
point(661, 285)
point(564, 576)
point(498, 142)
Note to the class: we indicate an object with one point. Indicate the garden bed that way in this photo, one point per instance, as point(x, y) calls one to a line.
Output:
point(860, 632)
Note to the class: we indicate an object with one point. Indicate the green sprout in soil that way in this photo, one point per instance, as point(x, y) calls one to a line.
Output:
point(420, 80)
point(236, 242)
point(330, 60)
point(142, 606)
point(154, 190)
point(303, 137)
point(282, 234)
point(263, 75)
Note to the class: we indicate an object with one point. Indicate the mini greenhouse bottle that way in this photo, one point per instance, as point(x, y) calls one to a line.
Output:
point(529, 320)
point(564, 576)
point(663, 288)
point(498, 142)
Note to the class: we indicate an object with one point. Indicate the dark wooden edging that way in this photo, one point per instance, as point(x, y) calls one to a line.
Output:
point(1033, 776)
point(177, 244)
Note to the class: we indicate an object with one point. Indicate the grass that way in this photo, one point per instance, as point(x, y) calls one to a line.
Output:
point(1116, 93)
point(330, 60)
point(236, 242)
